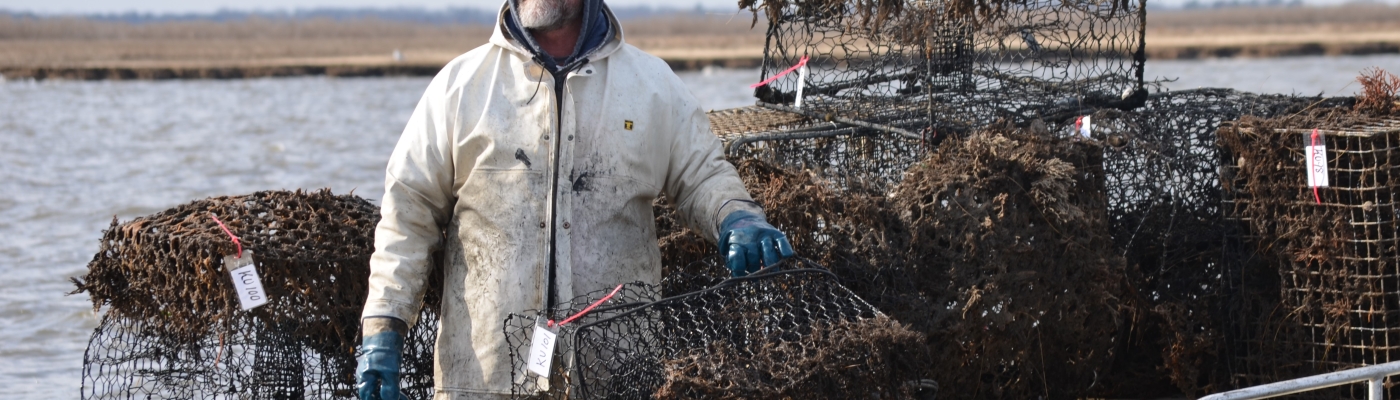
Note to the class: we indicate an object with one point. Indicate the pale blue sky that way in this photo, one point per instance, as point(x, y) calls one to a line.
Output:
point(185, 6)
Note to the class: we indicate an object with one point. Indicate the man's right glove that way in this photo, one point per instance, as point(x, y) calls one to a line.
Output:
point(381, 354)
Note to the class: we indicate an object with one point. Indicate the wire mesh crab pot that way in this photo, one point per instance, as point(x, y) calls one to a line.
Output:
point(173, 327)
point(1163, 182)
point(1161, 177)
point(785, 332)
point(886, 80)
point(1332, 252)
point(859, 159)
point(953, 65)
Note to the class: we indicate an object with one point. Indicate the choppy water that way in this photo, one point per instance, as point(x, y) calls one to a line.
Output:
point(75, 154)
point(1310, 76)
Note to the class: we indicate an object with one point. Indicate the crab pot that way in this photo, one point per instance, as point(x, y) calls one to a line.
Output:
point(1330, 252)
point(173, 326)
point(952, 65)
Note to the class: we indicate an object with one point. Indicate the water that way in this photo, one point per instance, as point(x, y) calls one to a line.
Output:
point(75, 154)
point(1309, 76)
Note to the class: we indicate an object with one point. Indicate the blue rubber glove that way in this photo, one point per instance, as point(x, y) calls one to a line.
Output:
point(749, 243)
point(381, 354)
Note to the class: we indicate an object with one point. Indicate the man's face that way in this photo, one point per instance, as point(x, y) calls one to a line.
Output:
point(547, 15)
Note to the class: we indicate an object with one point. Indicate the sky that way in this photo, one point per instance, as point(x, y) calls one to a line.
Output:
point(204, 6)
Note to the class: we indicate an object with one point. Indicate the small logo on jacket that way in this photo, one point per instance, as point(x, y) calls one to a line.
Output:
point(627, 124)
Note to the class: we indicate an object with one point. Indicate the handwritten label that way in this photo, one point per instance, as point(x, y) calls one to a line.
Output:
point(541, 349)
point(1317, 165)
point(1084, 125)
point(246, 280)
point(801, 84)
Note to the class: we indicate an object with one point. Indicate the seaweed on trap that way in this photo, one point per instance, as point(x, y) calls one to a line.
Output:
point(173, 328)
point(1324, 289)
point(995, 248)
point(785, 332)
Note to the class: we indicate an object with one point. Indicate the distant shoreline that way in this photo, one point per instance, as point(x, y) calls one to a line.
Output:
point(336, 68)
point(77, 49)
point(1202, 51)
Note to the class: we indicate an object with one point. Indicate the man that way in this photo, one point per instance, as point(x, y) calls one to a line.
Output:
point(539, 155)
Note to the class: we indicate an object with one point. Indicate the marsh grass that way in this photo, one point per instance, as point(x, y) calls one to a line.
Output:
point(1275, 19)
point(76, 42)
point(81, 42)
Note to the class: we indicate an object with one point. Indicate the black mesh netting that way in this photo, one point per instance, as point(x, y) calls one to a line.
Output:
point(783, 333)
point(1160, 176)
point(1186, 256)
point(890, 81)
point(926, 67)
point(519, 329)
point(1325, 295)
point(173, 327)
point(994, 248)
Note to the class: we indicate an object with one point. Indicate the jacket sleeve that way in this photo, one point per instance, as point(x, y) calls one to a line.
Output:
point(703, 184)
point(418, 200)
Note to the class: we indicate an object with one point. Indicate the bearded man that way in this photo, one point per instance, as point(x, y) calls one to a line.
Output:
point(534, 161)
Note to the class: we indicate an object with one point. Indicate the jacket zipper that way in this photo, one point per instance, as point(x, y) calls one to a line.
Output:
point(560, 81)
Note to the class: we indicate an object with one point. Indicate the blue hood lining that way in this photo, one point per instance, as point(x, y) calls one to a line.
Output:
point(597, 28)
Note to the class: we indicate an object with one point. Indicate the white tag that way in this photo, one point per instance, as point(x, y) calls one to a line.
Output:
point(246, 280)
point(541, 350)
point(1084, 125)
point(1317, 165)
point(801, 83)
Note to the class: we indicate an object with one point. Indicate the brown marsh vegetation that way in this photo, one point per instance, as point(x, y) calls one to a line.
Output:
point(79, 42)
point(1264, 32)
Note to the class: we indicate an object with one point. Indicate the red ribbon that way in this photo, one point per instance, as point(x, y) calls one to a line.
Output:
point(1314, 143)
point(586, 310)
point(230, 235)
point(799, 64)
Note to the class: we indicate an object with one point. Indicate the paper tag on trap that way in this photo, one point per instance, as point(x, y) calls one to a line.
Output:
point(801, 84)
point(246, 280)
point(541, 349)
point(1084, 125)
point(1315, 150)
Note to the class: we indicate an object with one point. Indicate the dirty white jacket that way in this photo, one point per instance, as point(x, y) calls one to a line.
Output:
point(478, 159)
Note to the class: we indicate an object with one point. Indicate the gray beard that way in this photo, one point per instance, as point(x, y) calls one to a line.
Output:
point(546, 15)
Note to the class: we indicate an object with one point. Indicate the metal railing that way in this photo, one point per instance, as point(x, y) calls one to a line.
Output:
point(1374, 374)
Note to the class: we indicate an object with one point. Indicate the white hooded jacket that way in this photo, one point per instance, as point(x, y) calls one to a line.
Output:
point(479, 159)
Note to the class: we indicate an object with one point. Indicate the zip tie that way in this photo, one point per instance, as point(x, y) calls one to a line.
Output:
point(1314, 143)
point(230, 235)
point(220, 356)
point(586, 310)
point(800, 64)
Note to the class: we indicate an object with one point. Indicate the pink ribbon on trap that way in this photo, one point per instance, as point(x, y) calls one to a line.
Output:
point(230, 235)
point(800, 64)
point(586, 310)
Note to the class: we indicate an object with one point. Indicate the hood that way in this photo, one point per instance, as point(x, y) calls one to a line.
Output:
point(597, 26)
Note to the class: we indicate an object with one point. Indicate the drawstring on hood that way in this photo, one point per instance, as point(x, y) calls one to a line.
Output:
point(595, 32)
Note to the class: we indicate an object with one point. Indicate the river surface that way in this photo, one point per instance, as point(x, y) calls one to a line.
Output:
point(73, 155)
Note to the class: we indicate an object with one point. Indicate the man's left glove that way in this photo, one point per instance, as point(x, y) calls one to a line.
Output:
point(381, 354)
point(749, 243)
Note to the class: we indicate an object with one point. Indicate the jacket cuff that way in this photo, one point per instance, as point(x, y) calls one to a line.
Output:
point(385, 308)
point(732, 205)
point(376, 325)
